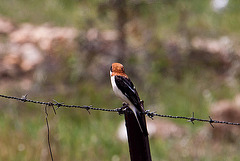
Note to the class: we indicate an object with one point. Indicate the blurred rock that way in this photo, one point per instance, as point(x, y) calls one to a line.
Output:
point(92, 34)
point(110, 35)
point(102, 43)
point(167, 129)
point(219, 5)
point(10, 60)
point(221, 46)
point(175, 47)
point(157, 129)
point(45, 36)
point(6, 26)
point(98, 48)
point(19, 58)
point(31, 56)
point(27, 46)
point(226, 110)
point(216, 53)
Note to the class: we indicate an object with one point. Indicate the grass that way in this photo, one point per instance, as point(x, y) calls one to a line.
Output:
point(76, 135)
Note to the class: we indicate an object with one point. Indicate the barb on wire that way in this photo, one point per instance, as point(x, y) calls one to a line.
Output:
point(211, 121)
point(190, 119)
point(50, 104)
point(58, 104)
point(120, 111)
point(24, 97)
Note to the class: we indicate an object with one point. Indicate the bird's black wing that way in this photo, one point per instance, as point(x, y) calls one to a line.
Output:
point(128, 89)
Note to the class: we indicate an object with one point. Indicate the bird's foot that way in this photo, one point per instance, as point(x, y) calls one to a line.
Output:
point(122, 109)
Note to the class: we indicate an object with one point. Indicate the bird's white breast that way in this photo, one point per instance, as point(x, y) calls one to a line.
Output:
point(118, 92)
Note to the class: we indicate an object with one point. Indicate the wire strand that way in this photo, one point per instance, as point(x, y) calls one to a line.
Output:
point(118, 110)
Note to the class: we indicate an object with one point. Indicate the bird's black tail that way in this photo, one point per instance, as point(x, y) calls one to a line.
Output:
point(141, 123)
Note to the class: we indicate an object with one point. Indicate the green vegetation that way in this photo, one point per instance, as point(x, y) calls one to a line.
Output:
point(76, 135)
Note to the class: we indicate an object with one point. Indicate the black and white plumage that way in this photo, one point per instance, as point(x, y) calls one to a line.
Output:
point(124, 89)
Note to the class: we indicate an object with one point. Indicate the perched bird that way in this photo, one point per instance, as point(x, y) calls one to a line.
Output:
point(125, 90)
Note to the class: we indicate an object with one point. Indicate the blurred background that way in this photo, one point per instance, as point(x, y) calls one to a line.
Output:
point(183, 56)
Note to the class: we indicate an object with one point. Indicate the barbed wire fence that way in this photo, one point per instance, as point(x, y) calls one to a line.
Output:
point(56, 105)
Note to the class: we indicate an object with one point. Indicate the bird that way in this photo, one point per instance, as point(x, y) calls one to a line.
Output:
point(126, 91)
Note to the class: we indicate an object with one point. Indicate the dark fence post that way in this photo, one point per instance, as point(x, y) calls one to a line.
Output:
point(138, 143)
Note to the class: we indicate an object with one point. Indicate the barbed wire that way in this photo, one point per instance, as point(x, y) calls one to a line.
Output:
point(121, 110)
point(118, 110)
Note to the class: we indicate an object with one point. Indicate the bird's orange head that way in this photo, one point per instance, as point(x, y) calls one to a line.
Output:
point(117, 69)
